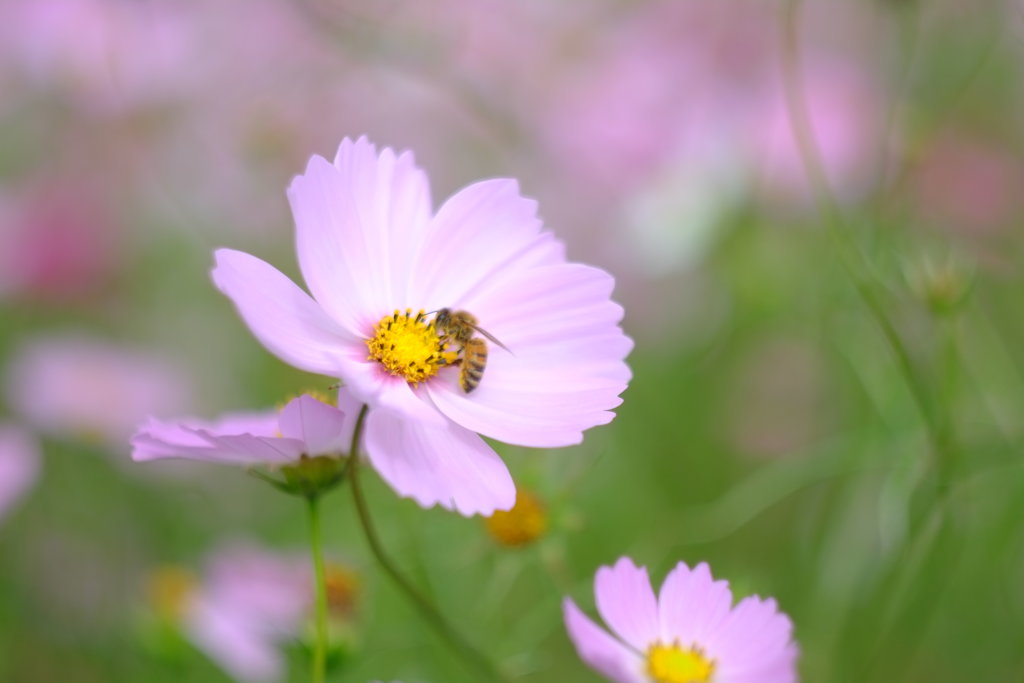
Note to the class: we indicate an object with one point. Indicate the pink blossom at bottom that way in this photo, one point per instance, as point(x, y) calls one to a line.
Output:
point(19, 465)
point(249, 603)
point(749, 643)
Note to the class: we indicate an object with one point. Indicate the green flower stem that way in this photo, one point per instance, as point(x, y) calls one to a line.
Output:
point(473, 657)
point(320, 646)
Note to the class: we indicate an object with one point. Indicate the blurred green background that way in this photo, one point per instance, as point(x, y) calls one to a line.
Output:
point(773, 428)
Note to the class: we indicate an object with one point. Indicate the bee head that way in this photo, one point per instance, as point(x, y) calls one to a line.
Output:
point(443, 318)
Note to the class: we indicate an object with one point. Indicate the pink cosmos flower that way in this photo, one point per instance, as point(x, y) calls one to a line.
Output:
point(19, 465)
point(305, 426)
point(375, 255)
point(689, 632)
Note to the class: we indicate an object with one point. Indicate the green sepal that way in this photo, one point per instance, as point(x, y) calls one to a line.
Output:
point(309, 477)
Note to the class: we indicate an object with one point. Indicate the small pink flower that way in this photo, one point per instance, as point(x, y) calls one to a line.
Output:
point(306, 426)
point(369, 244)
point(248, 604)
point(19, 465)
point(688, 633)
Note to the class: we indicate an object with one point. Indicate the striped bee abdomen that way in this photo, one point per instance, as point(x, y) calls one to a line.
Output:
point(474, 361)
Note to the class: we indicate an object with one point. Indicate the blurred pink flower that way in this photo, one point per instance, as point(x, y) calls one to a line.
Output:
point(970, 185)
point(845, 109)
point(19, 465)
point(668, 76)
point(305, 426)
point(688, 632)
point(249, 602)
point(369, 245)
point(56, 241)
point(108, 55)
point(81, 387)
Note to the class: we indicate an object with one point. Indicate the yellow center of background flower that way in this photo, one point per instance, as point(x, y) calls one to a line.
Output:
point(676, 664)
point(342, 587)
point(408, 346)
point(169, 591)
point(524, 523)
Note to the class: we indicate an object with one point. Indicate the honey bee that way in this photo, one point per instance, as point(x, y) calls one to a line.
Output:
point(461, 328)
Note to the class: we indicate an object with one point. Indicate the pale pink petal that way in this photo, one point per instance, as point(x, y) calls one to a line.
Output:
point(249, 449)
point(599, 650)
point(626, 602)
point(412, 402)
point(565, 370)
point(475, 233)
point(438, 464)
point(262, 423)
point(19, 465)
point(692, 605)
point(283, 317)
point(246, 654)
point(754, 643)
point(319, 426)
point(268, 591)
point(359, 225)
point(780, 669)
point(157, 439)
point(547, 305)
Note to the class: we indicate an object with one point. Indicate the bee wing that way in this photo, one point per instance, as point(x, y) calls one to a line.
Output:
point(492, 338)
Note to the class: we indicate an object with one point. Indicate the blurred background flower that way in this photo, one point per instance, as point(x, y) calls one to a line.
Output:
point(19, 465)
point(77, 387)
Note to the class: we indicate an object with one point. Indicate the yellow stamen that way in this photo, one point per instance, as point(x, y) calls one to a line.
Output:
point(524, 523)
point(408, 346)
point(676, 664)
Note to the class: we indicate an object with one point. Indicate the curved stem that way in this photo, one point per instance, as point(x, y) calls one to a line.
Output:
point(480, 662)
point(320, 646)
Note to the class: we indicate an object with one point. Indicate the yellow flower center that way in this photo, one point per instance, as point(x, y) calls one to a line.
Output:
point(408, 346)
point(342, 586)
point(525, 522)
point(676, 664)
point(170, 590)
